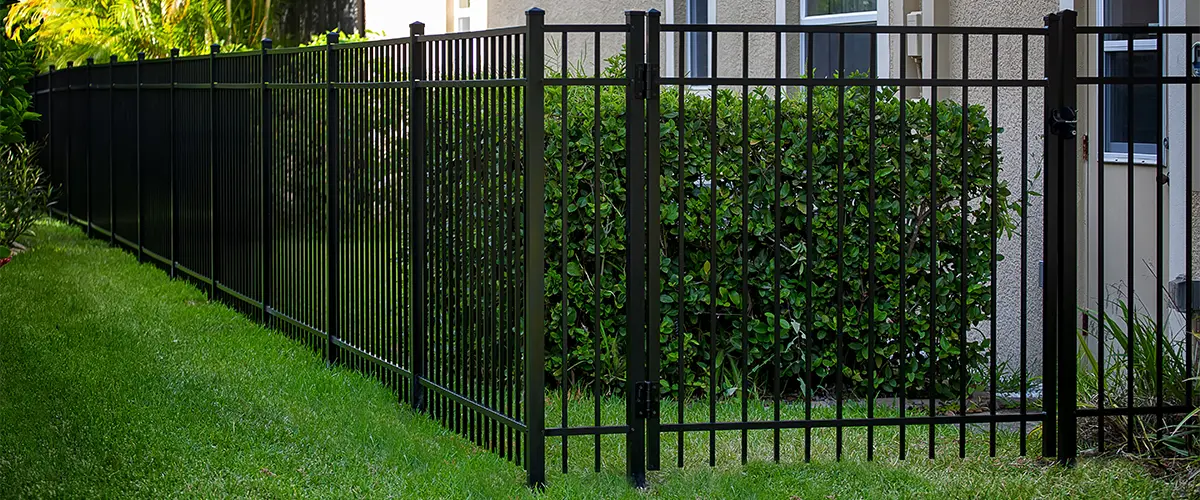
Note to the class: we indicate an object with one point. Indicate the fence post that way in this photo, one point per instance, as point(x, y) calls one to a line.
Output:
point(141, 57)
point(333, 186)
point(87, 146)
point(416, 197)
point(265, 145)
point(535, 253)
point(70, 139)
point(635, 254)
point(50, 124)
point(112, 214)
point(172, 165)
point(213, 214)
point(1059, 301)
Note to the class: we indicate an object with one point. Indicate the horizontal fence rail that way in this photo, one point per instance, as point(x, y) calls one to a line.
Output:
point(651, 242)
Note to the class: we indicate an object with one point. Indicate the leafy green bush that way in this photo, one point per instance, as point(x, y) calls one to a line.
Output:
point(747, 200)
point(24, 193)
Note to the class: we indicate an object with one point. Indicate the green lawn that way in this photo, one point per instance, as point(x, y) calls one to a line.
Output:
point(117, 382)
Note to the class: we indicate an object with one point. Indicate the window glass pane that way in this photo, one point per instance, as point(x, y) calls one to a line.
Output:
point(697, 50)
point(825, 54)
point(825, 7)
point(464, 24)
point(1143, 103)
point(1130, 13)
point(698, 56)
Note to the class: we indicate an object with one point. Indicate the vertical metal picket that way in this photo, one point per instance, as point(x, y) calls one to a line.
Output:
point(654, 236)
point(416, 120)
point(332, 195)
point(535, 252)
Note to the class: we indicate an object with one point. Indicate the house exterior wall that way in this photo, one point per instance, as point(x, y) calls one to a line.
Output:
point(1016, 113)
point(1196, 235)
point(504, 13)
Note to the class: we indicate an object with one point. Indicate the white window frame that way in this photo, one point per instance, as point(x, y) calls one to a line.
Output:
point(1139, 45)
point(877, 17)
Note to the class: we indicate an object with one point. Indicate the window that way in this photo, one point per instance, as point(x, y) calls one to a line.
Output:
point(1120, 104)
point(826, 49)
point(698, 56)
point(833, 7)
point(464, 4)
point(464, 24)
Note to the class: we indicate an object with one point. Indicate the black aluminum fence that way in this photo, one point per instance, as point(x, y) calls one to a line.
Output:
point(849, 260)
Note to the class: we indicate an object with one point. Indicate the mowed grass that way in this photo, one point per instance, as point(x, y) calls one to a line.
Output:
point(118, 382)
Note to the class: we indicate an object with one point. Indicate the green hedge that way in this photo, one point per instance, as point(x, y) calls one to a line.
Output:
point(748, 200)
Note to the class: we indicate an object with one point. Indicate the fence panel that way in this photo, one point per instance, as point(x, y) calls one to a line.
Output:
point(156, 161)
point(587, 241)
point(99, 147)
point(238, 175)
point(77, 144)
point(473, 267)
point(376, 260)
point(299, 198)
point(192, 151)
point(125, 152)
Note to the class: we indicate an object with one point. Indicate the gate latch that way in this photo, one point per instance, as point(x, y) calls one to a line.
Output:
point(1063, 122)
point(645, 399)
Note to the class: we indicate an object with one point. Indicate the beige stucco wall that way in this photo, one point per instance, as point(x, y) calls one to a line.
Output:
point(580, 46)
point(1195, 243)
point(1009, 107)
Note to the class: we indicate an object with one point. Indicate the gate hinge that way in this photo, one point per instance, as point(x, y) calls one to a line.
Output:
point(645, 81)
point(645, 399)
point(1063, 122)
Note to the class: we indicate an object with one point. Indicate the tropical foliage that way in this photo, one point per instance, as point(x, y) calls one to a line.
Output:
point(73, 30)
point(16, 70)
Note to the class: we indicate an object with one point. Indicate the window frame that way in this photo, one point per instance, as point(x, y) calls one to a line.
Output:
point(1122, 46)
point(864, 18)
